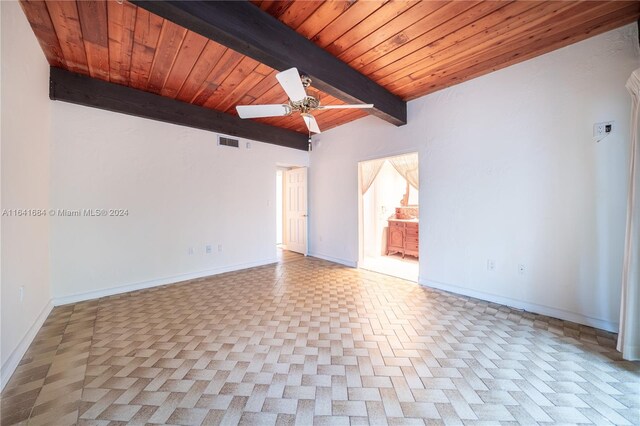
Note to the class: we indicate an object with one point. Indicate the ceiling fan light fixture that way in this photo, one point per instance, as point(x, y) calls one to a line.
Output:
point(307, 104)
point(301, 100)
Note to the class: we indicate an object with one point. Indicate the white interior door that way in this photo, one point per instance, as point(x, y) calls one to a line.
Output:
point(296, 209)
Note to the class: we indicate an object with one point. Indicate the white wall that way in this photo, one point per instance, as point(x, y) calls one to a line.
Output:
point(509, 171)
point(25, 134)
point(181, 190)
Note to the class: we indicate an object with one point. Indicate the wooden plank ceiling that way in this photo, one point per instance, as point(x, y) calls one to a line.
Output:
point(411, 48)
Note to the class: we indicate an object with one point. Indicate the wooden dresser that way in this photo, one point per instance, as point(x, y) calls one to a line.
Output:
point(403, 237)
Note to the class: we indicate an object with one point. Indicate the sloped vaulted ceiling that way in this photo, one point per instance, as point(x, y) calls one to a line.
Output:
point(410, 48)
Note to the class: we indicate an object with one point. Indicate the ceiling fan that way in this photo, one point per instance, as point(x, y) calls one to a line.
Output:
point(295, 86)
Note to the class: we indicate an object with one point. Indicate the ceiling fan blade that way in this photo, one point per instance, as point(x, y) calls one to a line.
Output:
point(290, 82)
point(256, 111)
point(345, 106)
point(311, 122)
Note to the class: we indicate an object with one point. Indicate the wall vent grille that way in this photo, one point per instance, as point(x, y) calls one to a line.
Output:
point(228, 142)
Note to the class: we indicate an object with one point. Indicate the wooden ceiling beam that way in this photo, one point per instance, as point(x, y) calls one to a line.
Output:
point(247, 29)
point(83, 90)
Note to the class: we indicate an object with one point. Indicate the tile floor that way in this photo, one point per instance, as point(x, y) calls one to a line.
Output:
point(311, 342)
point(394, 265)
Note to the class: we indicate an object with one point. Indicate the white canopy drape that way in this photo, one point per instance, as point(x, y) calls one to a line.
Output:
point(629, 335)
point(407, 166)
point(368, 172)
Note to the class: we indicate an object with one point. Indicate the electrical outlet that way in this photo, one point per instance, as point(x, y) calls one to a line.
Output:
point(207, 249)
point(491, 265)
point(21, 293)
point(190, 251)
point(603, 129)
point(521, 269)
point(220, 247)
point(598, 130)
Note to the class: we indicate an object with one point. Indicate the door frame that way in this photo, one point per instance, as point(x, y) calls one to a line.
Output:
point(361, 197)
point(283, 167)
point(284, 209)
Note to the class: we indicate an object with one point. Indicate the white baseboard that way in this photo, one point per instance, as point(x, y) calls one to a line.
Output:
point(349, 263)
point(10, 365)
point(96, 294)
point(527, 306)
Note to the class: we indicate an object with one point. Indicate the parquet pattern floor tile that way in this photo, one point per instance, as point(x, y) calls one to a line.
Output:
point(310, 342)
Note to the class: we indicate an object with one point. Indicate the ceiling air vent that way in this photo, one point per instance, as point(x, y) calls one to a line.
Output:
point(228, 142)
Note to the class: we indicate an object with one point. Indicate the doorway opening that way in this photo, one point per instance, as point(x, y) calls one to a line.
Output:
point(389, 221)
point(291, 211)
point(279, 208)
